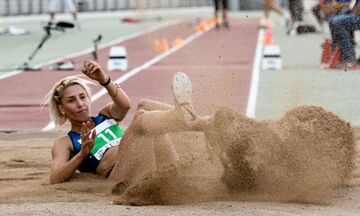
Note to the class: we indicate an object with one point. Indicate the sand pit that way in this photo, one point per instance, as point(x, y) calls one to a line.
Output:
point(302, 158)
point(295, 180)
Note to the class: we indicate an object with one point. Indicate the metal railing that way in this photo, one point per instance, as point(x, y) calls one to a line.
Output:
point(27, 7)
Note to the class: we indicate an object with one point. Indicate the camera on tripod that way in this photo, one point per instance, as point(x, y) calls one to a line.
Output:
point(59, 26)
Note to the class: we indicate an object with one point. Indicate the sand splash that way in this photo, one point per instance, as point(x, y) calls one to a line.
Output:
point(302, 157)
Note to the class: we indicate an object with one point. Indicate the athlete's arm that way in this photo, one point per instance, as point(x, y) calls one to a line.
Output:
point(120, 104)
point(62, 167)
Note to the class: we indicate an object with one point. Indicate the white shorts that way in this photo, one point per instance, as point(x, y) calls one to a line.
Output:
point(54, 5)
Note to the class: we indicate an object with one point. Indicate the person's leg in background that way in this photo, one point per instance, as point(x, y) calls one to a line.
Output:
point(335, 31)
point(296, 8)
point(299, 4)
point(343, 26)
point(270, 5)
point(216, 10)
point(225, 4)
point(316, 11)
point(71, 7)
point(54, 6)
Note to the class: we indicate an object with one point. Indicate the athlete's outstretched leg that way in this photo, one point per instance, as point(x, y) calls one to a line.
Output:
point(149, 105)
point(146, 145)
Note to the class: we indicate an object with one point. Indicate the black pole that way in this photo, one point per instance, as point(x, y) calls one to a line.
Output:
point(44, 39)
point(96, 41)
point(26, 65)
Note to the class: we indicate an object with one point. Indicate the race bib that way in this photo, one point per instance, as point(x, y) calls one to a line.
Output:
point(108, 134)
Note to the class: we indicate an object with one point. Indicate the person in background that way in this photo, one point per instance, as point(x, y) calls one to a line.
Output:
point(343, 27)
point(316, 10)
point(270, 5)
point(224, 8)
point(54, 7)
point(296, 8)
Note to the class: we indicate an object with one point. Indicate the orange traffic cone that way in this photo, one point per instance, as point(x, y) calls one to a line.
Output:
point(177, 42)
point(326, 53)
point(201, 25)
point(157, 46)
point(269, 37)
point(211, 21)
point(335, 58)
point(164, 44)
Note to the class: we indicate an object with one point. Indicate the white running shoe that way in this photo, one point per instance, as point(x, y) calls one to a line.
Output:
point(182, 89)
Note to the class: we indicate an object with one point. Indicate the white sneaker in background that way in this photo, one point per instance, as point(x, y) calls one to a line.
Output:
point(292, 31)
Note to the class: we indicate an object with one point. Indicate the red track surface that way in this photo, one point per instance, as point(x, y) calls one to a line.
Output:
point(219, 63)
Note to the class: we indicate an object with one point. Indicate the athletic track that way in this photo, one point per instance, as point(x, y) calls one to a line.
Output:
point(219, 63)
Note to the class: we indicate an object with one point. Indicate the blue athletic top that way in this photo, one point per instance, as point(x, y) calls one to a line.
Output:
point(90, 163)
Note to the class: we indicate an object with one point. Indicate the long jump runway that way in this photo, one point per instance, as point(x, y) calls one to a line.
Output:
point(219, 63)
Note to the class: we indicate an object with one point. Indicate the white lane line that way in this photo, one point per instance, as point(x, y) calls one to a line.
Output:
point(251, 105)
point(9, 74)
point(89, 50)
point(139, 69)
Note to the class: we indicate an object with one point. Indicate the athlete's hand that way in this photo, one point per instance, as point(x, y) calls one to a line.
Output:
point(94, 71)
point(87, 142)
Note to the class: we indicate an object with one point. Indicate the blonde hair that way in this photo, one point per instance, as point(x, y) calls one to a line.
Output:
point(53, 98)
